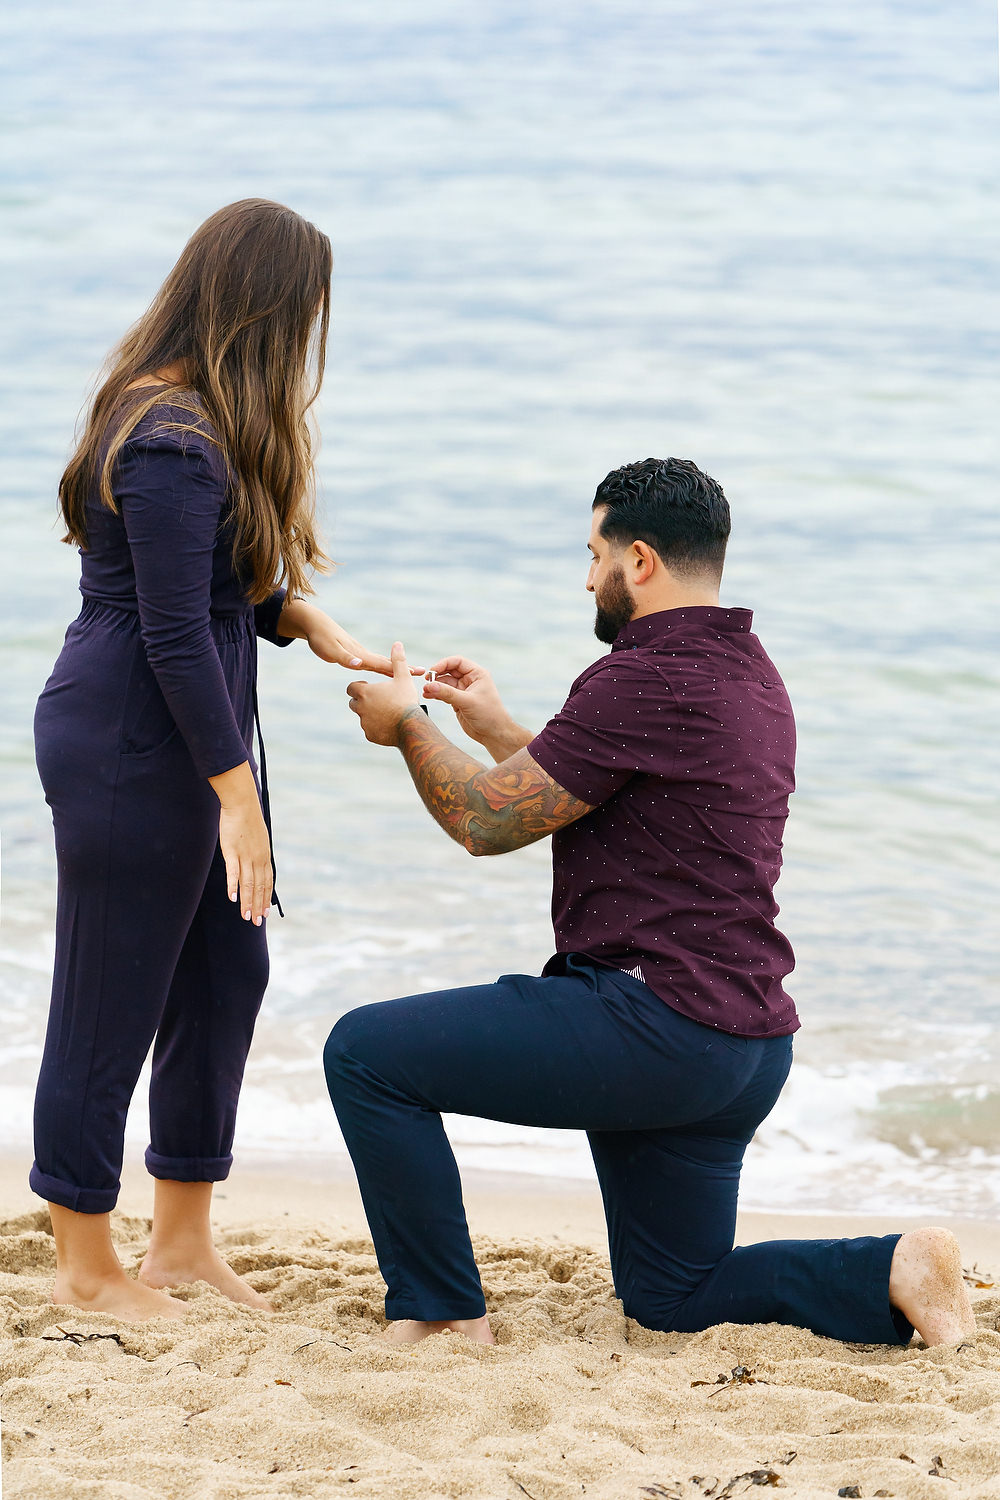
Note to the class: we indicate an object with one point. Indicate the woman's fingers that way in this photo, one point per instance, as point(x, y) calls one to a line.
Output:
point(246, 890)
point(383, 665)
point(245, 843)
point(262, 886)
point(255, 891)
point(246, 850)
point(331, 644)
point(232, 874)
point(371, 661)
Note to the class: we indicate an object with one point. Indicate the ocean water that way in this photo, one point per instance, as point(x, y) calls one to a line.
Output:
point(763, 236)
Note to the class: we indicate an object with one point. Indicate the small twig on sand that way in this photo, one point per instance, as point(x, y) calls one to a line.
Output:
point(69, 1335)
point(981, 1280)
point(323, 1341)
point(752, 1477)
point(739, 1375)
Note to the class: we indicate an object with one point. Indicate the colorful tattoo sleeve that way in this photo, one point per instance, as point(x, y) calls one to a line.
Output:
point(487, 811)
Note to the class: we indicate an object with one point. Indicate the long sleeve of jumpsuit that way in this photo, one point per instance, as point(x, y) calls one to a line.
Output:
point(171, 504)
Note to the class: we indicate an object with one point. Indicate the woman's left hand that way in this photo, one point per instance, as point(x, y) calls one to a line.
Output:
point(331, 643)
point(307, 622)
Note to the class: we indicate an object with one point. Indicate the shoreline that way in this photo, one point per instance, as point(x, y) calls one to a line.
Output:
point(325, 1195)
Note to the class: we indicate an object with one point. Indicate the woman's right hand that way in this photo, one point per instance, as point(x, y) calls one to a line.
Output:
point(243, 838)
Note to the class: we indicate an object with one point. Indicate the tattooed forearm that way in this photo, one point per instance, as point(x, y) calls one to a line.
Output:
point(487, 811)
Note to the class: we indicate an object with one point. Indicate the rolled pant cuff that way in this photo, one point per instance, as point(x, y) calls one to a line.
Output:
point(188, 1168)
point(430, 1311)
point(81, 1200)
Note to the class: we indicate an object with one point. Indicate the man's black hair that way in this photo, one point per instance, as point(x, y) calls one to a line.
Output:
point(673, 507)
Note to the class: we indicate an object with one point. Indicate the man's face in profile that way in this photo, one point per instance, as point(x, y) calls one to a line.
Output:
point(606, 581)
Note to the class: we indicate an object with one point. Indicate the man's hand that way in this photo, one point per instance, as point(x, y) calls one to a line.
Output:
point(478, 706)
point(487, 811)
point(381, 706)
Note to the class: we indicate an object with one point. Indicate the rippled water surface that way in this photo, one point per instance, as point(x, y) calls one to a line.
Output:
point(761, 236)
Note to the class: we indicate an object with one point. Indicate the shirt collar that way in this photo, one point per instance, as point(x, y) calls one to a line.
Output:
point(651, 629)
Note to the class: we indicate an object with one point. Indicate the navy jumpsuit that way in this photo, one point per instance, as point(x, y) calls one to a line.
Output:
point(154, 692)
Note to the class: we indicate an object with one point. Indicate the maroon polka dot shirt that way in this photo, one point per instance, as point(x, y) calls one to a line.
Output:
point(683, 741)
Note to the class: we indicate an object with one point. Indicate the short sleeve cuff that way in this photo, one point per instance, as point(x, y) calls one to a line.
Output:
point(571, 779)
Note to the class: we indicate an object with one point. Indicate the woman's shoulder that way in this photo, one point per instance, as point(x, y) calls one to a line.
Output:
point(176, 431)
point(177, 422)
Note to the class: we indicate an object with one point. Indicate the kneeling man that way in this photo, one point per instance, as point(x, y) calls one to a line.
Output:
point(660, 1026)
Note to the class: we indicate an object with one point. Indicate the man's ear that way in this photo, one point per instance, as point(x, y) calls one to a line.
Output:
point(643, 561)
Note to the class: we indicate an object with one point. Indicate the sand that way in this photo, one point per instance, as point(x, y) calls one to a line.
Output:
point(574, 1400)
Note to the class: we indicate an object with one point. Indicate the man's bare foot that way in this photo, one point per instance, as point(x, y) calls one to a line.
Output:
point(157, 1270)
point(118, 1295)
point(926, 1284)
point(409, 1331)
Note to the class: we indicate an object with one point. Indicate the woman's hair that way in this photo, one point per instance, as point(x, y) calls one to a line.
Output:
point(246, 311)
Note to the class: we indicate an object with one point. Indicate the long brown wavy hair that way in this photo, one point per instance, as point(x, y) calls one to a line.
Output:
point(245, 312)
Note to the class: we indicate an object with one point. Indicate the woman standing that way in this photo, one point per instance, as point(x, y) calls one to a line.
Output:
point(190, 498)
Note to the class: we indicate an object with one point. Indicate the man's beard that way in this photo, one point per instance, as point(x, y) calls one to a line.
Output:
point(615, 606)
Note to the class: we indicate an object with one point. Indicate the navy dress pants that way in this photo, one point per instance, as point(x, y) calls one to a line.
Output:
point(149, 949)
point(669, 1107)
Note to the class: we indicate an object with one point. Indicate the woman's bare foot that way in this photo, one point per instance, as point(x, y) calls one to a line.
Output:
point(927, 1285)
point(90, 1276)
point(409, 1331)
point(181, 1249)
point(163, 1271)
point(118, 1295)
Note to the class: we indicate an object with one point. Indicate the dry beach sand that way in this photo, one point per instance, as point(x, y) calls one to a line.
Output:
point(573, 1401)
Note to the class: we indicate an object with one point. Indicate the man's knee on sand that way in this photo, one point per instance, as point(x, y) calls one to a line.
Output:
point(656, 1299)
point(652, 1310)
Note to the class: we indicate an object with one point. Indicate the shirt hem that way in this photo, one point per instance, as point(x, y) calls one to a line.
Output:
point(788, 1028)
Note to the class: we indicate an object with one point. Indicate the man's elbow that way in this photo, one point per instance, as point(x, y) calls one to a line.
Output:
point(479, 848)
point(480, 842)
